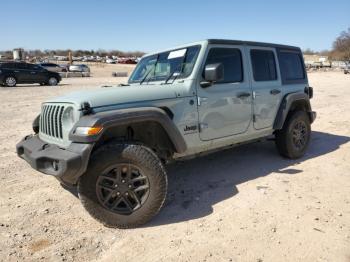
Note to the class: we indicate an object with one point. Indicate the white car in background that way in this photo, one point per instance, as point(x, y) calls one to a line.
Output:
point(80, 68)
point(110, 61)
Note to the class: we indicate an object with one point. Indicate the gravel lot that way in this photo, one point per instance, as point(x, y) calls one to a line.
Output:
point(243, 204)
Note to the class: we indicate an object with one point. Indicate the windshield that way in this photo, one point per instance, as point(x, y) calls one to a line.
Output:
point(160, 66)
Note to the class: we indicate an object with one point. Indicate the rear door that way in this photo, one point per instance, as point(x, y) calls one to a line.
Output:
point(22, 73)
point(10, 69)
point(224, 108)
point(266, 85)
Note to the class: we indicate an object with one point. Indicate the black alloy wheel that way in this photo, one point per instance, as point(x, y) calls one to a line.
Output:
point(299, 135)
point(122, 188)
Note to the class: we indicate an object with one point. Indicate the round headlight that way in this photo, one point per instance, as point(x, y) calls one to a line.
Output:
point(68, 118)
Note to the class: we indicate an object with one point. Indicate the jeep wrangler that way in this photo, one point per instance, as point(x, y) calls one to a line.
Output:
point(112, 143)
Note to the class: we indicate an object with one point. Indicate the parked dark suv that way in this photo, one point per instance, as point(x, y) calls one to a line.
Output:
point(13, 73)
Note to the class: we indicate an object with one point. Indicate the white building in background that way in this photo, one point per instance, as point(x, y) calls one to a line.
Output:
point(316, 61)
point(18, 54)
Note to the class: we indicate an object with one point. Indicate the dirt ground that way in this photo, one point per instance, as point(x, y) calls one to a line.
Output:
point(243, 204)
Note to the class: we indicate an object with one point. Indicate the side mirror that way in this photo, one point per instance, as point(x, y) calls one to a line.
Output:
point(212, 74)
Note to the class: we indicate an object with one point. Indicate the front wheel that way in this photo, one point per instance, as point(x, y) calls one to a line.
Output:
point(125, 185)
point(293, 140)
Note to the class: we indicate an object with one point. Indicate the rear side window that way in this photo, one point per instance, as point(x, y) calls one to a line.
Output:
point(231, 59)
point(8, 65)
point(291, 66)
point(264, 65)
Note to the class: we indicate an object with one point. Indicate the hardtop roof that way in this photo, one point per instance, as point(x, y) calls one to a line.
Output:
point(226, 42)
point(251, 43)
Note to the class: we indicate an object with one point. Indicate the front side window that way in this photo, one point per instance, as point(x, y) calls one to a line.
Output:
point(163, 65)
point(291, 66)
point(231, 59)
point(264, 65)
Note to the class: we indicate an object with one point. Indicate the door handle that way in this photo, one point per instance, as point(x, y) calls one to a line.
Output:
point(16, 71)
point(243, 95)
point(33, 73)
point(275, 91)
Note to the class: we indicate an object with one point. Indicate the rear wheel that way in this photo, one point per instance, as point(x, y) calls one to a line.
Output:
point(293, 140)
point(125, 185)
point(10, 81)
point(53, 81)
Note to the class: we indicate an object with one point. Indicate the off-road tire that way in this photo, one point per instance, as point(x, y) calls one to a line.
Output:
point(113, 154)
point(285, 142)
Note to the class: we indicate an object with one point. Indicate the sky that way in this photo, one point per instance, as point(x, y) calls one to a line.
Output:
point(150, 25)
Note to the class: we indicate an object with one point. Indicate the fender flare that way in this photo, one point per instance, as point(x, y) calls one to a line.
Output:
point(114, 118)
point(287, 103)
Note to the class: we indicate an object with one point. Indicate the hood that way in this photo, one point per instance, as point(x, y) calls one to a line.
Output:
point(105, 96)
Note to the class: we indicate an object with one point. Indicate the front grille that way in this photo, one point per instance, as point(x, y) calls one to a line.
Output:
point(51, 120)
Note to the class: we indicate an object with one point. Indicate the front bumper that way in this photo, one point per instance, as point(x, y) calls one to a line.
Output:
point(67, 165)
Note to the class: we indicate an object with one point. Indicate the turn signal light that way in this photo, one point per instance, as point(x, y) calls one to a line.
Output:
point(88, 131)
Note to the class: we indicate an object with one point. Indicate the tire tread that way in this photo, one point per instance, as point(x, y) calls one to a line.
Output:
point(146, 157)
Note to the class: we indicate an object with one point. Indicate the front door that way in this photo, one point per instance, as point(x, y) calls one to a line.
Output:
point(266, 85)
point(37, 73)
point(224, 108)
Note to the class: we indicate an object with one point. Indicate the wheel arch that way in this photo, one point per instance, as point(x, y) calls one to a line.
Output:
point(50, 75)
point(290, 103)
point(148, 125)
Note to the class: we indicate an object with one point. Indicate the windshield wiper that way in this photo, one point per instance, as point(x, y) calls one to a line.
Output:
point(144, 78)
point(171, 75)
point(174, 72)
point(153, 68)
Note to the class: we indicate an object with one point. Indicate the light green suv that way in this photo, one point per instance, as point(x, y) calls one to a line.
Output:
point(112, 143)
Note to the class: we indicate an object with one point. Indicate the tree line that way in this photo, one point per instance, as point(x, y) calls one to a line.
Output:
point(77, 53)
point(340, 51)
point(340, 48)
